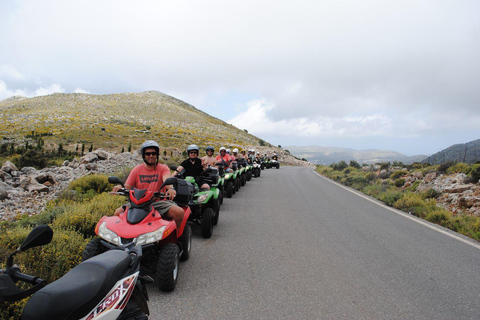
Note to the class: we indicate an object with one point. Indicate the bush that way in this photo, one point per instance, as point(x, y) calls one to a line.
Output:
point(399, 183)
point(430, 194)
point(391, 196)
point(444, 166)
point(354, 164)
point(474, 173)
point(86, 187)
point(83, 217)
point(411, 202)
point(371, 176)
point(339, 166)
point(398, 174)
point(457, 168)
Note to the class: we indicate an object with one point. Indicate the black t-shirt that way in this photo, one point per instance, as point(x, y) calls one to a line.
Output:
point(192, 169)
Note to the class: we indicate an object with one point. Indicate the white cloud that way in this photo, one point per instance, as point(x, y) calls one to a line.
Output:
point(80, 90)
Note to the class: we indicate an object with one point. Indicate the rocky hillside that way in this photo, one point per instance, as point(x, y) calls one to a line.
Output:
point(114, 121)
point(464, 152)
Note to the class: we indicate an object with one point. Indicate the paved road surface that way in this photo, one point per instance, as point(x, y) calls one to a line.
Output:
point(293, 245)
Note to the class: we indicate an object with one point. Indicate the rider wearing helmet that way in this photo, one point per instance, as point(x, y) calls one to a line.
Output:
point(151, 175)
point(209, 159)
point(234, 156)
point(224, 157)
point(193, 165)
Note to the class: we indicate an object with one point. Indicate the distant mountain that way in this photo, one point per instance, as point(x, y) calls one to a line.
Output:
point(329, 155)
point(464, 152)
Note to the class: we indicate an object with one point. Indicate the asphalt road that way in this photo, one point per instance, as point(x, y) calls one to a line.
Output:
point(293, 245)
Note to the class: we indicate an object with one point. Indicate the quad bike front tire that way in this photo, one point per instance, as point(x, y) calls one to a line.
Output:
point(93, 248)
point(186, 241)
point(216, 209)
point(243, 179)
point(167, 267)
point(208, 215)
point(249, 175)
point(229, 191)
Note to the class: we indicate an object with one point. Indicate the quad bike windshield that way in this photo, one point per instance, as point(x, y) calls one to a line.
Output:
point(140, 205)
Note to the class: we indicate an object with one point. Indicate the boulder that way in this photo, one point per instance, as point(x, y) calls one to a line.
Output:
point(88, 158)
point(102, 154)
point(8, 167)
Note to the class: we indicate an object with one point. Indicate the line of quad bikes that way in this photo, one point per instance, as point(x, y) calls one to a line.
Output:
point(136, 248)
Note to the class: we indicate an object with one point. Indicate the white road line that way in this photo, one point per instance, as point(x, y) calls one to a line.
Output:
point(405, 215)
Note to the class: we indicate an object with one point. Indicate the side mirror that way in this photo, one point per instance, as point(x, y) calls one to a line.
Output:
point(39, 236)
point(115, 180)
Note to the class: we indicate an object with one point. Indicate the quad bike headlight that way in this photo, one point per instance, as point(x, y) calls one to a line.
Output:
point(108, 235)
point(151, 237)
point(202, 198)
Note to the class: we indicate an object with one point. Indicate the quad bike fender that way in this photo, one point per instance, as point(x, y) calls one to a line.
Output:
point(186, 215)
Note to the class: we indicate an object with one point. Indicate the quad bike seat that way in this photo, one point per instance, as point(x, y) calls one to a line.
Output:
point(80, 290)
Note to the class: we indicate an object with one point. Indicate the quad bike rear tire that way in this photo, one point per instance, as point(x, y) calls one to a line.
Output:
point(208, 215)
point(243, 179)
point(93, 248)
point(186, 241)
point(167, 267)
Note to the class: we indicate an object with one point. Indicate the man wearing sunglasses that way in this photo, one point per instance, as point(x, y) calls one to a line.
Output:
point(150, 175)
point(193, 165)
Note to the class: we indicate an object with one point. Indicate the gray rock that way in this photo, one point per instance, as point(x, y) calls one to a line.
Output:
point(9, 167)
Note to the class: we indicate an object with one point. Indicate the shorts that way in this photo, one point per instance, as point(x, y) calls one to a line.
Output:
point(163, 206)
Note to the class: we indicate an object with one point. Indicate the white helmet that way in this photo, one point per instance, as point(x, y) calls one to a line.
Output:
point(235, 150)
point(222, 148)
point(228, 151)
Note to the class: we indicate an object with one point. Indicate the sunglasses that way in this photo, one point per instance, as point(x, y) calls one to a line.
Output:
point(193, 152)
point(150, 153)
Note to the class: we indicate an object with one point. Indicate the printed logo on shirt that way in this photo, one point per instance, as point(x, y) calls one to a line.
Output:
point(148, 178)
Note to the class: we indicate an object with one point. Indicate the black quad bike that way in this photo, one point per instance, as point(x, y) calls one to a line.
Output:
point(108, 286)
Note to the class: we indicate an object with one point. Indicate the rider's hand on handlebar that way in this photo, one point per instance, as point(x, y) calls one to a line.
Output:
point(171, 193)
point(117, 188)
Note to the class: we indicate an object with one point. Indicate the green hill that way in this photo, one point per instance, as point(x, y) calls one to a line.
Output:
point(113, 121)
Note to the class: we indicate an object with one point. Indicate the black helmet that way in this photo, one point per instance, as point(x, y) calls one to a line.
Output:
point(149, 144)
point(210, 148)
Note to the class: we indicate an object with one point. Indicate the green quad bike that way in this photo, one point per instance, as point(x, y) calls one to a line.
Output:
point(242, 165)
point(248, 171)
point(205, 205)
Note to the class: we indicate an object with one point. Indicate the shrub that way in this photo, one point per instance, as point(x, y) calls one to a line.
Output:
point(474, 173)
point(371, 176)
point(87, 187)
point(374, 190)
point(399, 183)
point(414, 186)
point(339, 166)
point(444, 166)
point(439, 216)
point(354, 164)
point(398, 174)
point(430, 194)
point(457, 168)
point(83, 217)
point(411, 202)
point(391, 196)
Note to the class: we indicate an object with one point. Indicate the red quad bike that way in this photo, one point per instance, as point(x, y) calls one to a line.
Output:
point(162, 244)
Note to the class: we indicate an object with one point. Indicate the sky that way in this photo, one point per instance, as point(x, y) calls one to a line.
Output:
point(360, 74)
